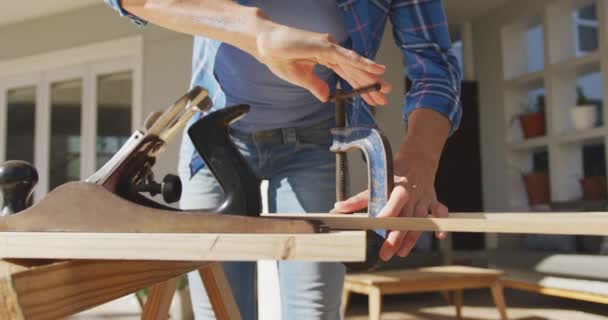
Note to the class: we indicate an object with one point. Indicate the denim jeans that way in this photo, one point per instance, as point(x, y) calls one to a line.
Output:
point(301, 175)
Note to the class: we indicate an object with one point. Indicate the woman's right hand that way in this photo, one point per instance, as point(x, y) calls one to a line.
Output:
point(292, 54)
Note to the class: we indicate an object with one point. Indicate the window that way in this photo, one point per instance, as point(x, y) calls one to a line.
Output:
point(585, 23)
point(114, 105)
point(20, 119)
point(69, 116)
point(535, 52)
point(66, 113)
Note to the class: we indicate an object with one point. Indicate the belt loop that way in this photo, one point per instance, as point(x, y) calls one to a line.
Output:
point(289, 135)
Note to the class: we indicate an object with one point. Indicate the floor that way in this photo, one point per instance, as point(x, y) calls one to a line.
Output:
point(477, 306)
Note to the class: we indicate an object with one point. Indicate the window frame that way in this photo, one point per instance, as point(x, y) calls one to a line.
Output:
point(85, 63)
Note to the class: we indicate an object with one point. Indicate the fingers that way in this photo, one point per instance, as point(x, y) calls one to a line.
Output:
point(391, 245)
point(408, 243)
point(340, 55)
point(439, 210)
point(309, 80)
point(354, 203)
point(395, 203)
point(421, 210)
point(364, 78)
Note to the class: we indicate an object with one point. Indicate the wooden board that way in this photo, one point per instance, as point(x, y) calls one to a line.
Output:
point(575, 223)
point(65, 288)
point(87, 207)
point(344, 246)
point(219, 292)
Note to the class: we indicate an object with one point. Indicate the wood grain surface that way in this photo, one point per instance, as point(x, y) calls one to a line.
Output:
point(575, 223)
point(345, 246)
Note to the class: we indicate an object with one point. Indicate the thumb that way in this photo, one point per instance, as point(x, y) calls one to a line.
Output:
point(354, 203)
point(316, 86)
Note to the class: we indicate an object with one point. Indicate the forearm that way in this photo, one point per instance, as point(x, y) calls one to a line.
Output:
point(222, 20)
point(427, 132)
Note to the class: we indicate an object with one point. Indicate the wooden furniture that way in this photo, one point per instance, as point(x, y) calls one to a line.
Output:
point(566, 275)
point(445, 279)
point(558, 286)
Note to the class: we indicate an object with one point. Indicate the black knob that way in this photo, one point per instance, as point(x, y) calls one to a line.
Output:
point(17, 182)
point(171, 188)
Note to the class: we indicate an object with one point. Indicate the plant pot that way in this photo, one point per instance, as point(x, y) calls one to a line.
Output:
point(583, 117)
point(533, 124)
point(537, 188)
point(594, 188)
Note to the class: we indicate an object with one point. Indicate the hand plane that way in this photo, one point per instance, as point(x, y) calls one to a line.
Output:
point(112, 200)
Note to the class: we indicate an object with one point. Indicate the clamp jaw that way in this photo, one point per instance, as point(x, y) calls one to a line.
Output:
point(379, 157)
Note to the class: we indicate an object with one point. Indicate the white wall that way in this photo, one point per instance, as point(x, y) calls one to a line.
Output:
point(489, 73)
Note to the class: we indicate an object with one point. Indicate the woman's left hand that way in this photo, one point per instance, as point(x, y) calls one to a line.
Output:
point(413, 196)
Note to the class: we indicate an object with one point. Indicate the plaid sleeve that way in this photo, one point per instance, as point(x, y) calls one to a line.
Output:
point(421, 32)
point(115, 4)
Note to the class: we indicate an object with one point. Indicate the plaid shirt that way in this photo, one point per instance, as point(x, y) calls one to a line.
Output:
point(420, 30)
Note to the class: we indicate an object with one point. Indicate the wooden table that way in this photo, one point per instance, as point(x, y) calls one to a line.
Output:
point(443, 278)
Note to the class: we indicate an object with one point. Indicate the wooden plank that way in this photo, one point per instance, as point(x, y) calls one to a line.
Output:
point(159, 300)
point(9, 302)
point(63, 289)
point(86, 207)
point(575, 223)
point(344, 246)
point(219, 292)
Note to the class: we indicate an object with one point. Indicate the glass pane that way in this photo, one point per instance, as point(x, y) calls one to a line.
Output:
point(114, 103)
point(535, 48)
point(586, 29)
point(536, 100)
point(21, 119)
point(590, 92)
point(66, 109)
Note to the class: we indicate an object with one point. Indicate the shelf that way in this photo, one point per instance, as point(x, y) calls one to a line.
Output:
point(530, 144)
point(595, 134)
point(529, 80)
point(581, 64)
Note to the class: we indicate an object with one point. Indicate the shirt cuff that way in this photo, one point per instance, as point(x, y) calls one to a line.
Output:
point(446, 104)
point(115, 4)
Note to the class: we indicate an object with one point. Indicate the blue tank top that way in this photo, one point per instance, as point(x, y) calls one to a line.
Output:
point(274, 102)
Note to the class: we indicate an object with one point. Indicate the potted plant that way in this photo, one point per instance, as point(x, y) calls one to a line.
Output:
point(537, 187)
point(533, 119)
point(593, 184)
point(584, 115)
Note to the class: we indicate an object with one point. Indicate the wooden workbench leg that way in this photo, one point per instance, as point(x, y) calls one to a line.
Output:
point(458, 303)
point(375, 303)
point(219, 292)
point(499, 299)
point(159, 300)
point(344, 303)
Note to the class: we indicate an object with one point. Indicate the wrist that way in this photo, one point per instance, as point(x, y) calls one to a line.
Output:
point(261, 29)
point(414, 153)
